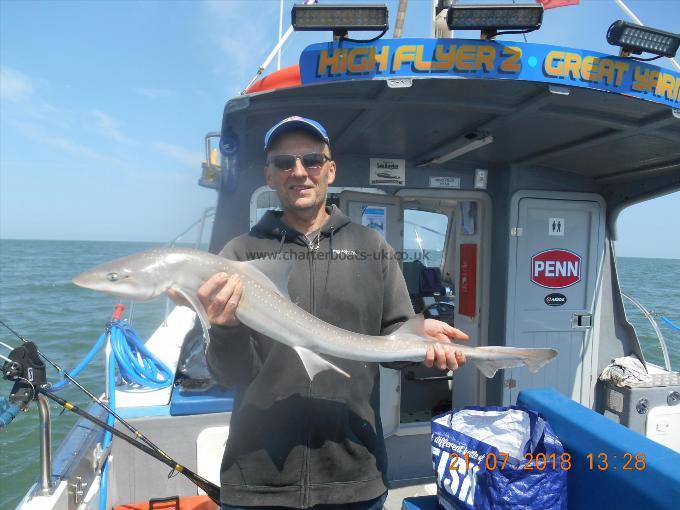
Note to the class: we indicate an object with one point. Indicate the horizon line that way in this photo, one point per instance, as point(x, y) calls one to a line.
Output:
point(190, 242)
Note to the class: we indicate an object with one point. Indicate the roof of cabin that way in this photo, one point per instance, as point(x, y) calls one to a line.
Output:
point(609, 137)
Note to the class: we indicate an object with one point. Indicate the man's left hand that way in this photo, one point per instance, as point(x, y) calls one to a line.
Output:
point(443, 359)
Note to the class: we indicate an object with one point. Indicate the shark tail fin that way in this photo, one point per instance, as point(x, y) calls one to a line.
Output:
point(533, 359)
point(539, 358)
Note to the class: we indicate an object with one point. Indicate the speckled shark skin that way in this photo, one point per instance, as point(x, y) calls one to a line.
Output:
point(266, 308)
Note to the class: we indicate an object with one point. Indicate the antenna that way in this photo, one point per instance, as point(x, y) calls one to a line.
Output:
point(401, 16)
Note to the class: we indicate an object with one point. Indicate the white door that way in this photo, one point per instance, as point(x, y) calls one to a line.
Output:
point(554, 260)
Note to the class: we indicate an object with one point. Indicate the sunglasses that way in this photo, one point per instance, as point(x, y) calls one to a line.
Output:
point(286, 162)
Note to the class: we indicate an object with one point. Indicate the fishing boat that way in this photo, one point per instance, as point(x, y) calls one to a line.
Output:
point(515, 160)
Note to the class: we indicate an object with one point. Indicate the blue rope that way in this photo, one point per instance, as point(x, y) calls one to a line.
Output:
point(86, 361)
point(110, 420)
point(8, 412)
point(136, 364)
point(670, 323)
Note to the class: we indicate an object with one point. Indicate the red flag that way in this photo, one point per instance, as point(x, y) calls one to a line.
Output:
point(551, 4)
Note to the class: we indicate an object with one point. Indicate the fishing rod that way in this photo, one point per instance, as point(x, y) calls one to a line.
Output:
point(25, 365)
point(212, 490)
point(108, 409)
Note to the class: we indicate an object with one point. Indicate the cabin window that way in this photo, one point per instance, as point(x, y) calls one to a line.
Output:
point(424, 245)
point(264, 201)
point(424, 237)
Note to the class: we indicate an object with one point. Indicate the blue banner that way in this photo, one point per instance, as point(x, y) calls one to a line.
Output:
point(470, 58)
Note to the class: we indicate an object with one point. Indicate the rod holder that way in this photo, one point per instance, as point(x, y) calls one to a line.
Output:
point(45, 445)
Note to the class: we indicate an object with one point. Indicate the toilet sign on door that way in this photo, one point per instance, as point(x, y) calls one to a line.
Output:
point(556, 269)
point(556, 227)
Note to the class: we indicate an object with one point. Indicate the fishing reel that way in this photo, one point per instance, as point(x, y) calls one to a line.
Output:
point(27, 371)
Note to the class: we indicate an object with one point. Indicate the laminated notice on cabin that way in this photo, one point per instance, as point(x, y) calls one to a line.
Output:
point(445, 182)
point(374, 217)
point(387, 171)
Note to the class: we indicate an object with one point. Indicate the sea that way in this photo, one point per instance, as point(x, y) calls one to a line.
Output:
point(38, 300)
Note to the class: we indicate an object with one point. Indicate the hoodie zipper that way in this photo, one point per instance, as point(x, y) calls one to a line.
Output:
point(312, 247)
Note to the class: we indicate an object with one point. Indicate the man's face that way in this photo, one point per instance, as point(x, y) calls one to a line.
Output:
point(299, 188)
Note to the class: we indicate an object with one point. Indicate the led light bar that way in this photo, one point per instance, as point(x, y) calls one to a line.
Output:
point(495, 17)
point(636, 39)
point(340, 17)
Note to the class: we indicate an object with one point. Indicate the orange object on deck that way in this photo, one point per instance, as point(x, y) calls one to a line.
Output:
point(179, 503)
point(284, 78)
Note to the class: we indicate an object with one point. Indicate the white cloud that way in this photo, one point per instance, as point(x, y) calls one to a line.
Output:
point(247, 39)
point(23, 91)
point(64, 144)
point(155, 93)
point(14, 85)
point(184, 156)
point(109, 126)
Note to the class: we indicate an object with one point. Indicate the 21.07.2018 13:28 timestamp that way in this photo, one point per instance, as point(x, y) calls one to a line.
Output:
point(540, 461)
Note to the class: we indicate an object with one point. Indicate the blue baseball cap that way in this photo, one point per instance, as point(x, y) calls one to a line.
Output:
point(295, 123)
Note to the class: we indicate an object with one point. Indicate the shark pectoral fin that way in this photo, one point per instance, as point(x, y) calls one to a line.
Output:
point(314, 363)
point(414, 326)
point(198, 308)
point(275, 269)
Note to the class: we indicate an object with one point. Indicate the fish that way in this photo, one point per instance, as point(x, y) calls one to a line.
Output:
point(266, 307)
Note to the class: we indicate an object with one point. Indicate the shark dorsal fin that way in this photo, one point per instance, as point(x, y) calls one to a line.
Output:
point(277, 270)
point(414, 326)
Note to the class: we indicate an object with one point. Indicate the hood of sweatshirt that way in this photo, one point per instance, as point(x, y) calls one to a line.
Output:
point(272, 225)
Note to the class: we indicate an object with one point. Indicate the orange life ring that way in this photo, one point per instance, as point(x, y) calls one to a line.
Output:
point(284, 78)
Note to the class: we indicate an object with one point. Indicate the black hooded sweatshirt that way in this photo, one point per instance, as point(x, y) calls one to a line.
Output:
point(295, 442)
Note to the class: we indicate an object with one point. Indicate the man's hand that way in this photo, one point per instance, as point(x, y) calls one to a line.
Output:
point(219, 295)
point(437, 356)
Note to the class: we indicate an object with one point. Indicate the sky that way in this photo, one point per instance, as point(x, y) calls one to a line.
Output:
point(104, 106)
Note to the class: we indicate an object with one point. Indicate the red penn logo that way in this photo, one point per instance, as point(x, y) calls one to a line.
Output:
point(556, 269)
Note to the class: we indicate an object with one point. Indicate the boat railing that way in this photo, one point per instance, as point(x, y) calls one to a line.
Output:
point(652, 320)
point(45, 445)
point(207, 214)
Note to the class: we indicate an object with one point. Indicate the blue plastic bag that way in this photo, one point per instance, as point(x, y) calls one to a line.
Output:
point(498, 458)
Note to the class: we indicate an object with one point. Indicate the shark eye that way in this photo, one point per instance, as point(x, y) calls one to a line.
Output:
point(114, 277)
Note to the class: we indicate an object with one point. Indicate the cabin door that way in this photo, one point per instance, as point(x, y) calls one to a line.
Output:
point(555, 251)
point(384, 214)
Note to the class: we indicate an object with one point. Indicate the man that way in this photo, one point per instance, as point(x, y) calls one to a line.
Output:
point(295, 442)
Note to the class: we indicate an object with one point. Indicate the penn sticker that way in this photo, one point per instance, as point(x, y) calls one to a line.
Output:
point(556, 269)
